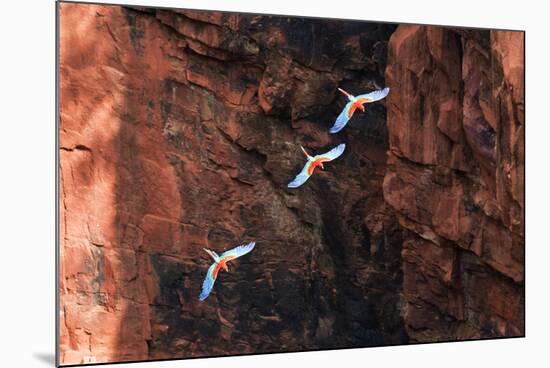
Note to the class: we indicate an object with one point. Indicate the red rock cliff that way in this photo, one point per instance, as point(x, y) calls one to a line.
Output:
point(179, 130)
point(456, 179)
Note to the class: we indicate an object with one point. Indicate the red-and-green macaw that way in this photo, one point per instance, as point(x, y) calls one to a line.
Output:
point(220, 262)
point(313, 162)
point(354, 104)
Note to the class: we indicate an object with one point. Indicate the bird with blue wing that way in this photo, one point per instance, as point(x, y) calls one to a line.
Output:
point(220, 263)
point(356, 102)
point(314, 162)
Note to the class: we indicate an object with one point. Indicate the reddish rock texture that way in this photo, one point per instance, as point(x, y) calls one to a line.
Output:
point(455, 178)
point(180, 130)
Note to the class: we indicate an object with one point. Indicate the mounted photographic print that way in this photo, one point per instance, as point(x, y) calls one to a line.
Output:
point(235, 183)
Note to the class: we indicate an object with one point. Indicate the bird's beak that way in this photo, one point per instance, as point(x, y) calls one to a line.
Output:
point(226, 268)
point(344, 92)
point(322, 167)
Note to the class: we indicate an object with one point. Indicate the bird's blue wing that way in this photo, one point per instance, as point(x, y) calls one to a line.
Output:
point(208, 282)
point(373, 96)
point(333, 153)
point(302, 177)
point(238, 251)
point(343, 118)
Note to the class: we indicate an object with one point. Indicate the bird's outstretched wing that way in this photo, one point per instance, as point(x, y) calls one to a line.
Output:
point(302, 177)
point(333, 153)
point(343, 118)
point(212, 254)
point(373, 96)
point(238, 251)
point(208, 282)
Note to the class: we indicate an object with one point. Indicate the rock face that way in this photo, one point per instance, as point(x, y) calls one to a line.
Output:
point(179, 130)
point(455, 179)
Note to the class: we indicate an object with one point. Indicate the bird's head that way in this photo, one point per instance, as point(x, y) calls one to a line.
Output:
point(305, 152)
point(344, 92)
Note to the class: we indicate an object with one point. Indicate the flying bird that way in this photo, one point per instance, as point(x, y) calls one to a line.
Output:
point(220, 262)
point(354, 104)
point(313, 162)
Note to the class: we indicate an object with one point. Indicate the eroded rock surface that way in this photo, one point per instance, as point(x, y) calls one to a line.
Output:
point(180, 130)
point(455, 178)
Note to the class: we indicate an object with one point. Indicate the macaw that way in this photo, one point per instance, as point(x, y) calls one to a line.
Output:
point(220, 263)
point(354, 104)
point(313, 162)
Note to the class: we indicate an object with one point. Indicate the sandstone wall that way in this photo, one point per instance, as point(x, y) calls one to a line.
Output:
point(179, 130)
point(456, 179)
